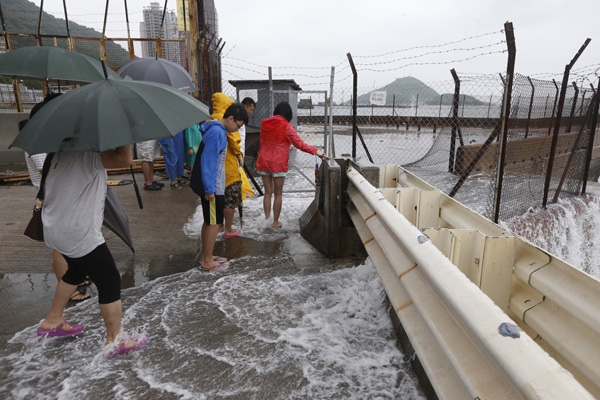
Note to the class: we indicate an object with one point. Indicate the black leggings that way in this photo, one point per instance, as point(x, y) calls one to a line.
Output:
point(100, 266)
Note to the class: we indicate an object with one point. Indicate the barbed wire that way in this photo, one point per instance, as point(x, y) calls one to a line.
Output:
point(286, 67)
point(433, 52)
point(435, 63)
point(277, 74)
point(431, 46)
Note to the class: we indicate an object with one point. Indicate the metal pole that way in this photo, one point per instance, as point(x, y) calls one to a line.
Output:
point(39, 33)
point(16, 89)
point(561, 103)
point(103, 55)
point(573, 106)
point(331, 148)
point(510, 71)
point(69, 40)
point(354, 103)
point(530, 107)
point(552, 116)
point(271, 94)
point(593, 125)
point(454, 130)
point(130, 49)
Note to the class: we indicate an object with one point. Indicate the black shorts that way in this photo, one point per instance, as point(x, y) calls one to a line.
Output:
point(213, 210)
point(233, 195)
point(100, 266)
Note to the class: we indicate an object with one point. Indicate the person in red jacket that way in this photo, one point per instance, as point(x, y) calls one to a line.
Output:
point(276, 137)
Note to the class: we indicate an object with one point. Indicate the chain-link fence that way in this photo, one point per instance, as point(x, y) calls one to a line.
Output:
point(450, 134)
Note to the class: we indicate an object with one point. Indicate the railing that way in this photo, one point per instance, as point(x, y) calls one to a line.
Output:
point(488, 314)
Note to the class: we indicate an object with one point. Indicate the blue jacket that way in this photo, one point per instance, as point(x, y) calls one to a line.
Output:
point(208, 174)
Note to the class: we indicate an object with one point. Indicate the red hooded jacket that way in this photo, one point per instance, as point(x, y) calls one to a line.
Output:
point(276, 136)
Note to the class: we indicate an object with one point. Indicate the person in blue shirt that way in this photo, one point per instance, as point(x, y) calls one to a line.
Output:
point(208, 180)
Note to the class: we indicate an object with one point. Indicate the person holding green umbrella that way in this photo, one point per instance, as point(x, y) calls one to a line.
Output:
point(72, 214)
point(90, 129)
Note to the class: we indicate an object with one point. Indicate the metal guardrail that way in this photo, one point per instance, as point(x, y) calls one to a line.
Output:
point(488, 314)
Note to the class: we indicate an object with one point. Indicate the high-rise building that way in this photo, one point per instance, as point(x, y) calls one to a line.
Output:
point(154, 26)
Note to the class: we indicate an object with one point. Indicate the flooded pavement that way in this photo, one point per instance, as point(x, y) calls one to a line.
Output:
point(281, 322)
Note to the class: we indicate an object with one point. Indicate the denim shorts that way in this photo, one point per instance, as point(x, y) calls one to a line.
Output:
point(273, 174)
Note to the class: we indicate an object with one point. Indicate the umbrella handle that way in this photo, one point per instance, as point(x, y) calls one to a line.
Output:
point(137, 190)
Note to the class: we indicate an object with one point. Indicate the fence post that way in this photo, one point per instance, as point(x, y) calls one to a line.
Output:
point(329, 144)
point(455, 101)
point(561, 103)
point(510, 72)
point(530, 107)
point(552, 116)
point(593, 124)
point(354, 103)
point(16, 89)
point(571, 116)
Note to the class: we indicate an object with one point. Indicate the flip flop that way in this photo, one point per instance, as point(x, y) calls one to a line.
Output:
point(234, 234)
point(79, 293)
point(220, 259)
point(219, 267)
point(60, 330)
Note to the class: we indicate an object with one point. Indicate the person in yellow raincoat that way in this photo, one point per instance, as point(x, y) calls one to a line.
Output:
point(233, 172)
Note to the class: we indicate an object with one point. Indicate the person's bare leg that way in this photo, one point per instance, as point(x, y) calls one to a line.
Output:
point(228, 214)
point(277, 200)
point(148, 171)
point(59, 265)
point(61, 298)
point(268, 186)
point(112, 313)
point(209, 237)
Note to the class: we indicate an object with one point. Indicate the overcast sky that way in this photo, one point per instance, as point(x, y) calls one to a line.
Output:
point(388, 39)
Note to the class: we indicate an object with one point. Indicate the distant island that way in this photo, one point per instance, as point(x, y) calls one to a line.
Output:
point(405, 92)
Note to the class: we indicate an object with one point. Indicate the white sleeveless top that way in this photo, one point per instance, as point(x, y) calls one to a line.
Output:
point(75, 191)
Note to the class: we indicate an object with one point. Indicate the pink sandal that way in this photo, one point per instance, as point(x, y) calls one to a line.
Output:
point(63, 329)
point(127, 345)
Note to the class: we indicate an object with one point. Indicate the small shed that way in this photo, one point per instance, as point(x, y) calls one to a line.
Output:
point(285, 90)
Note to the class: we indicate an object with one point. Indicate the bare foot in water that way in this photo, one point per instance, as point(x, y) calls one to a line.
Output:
point(276, 225)
point(214, 266)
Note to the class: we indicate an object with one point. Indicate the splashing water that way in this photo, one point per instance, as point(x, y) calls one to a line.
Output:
point(567, 229)
point(265, 328)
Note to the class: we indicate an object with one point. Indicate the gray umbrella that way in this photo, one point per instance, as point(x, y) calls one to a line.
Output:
point(158, 70)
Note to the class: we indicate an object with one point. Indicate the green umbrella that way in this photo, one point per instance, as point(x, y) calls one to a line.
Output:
point(52, 63)
point(110, 113)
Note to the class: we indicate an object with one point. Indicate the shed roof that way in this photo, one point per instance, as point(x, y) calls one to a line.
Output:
point(263, 82)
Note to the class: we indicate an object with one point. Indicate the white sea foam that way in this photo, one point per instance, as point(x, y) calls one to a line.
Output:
point(302, 336)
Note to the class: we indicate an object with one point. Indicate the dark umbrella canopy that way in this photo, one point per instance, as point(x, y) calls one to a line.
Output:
point(108, 114)
point(52, 63)
point(159, 70)
point(116, 219)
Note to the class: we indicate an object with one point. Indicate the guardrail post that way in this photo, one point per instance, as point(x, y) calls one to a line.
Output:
point(326, 224)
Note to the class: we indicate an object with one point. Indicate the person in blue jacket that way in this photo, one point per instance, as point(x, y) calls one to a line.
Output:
point(208, 180)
